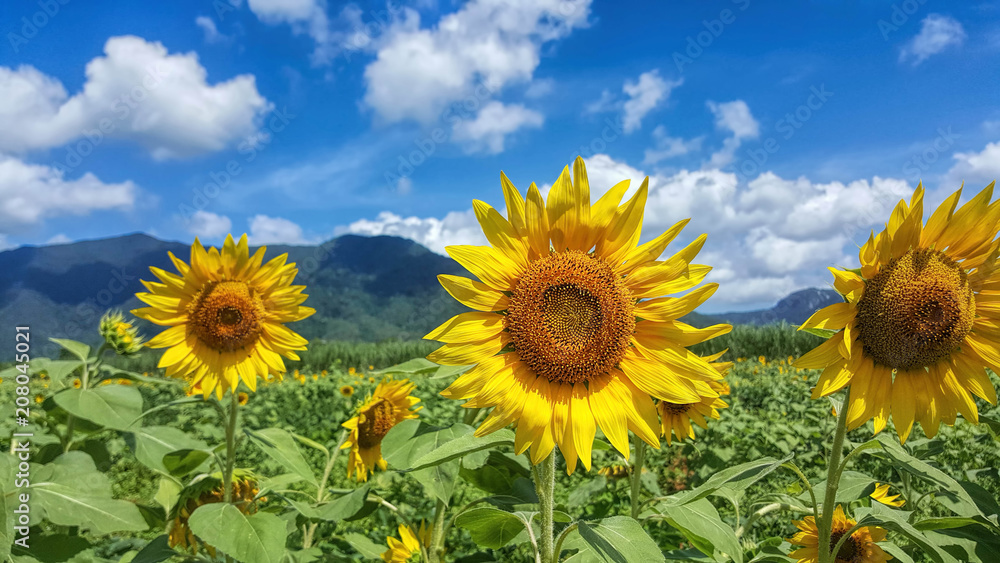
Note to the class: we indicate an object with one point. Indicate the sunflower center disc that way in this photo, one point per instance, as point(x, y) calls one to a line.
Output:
point(675, 408)
point(570, 317)
point(375, 424)
point(227, 315)
point(849, 551)
point(916, 311)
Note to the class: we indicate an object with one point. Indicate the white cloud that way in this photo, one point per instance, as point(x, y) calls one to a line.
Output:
point(669, 147)
point(937, 33)
point(640, 97)
point(977, 166)
point(456, 228)
point(644, 95)
point(492, 124)
point(138, 92)
point(208, 225)
point(404, 185)
point(30, 193)
point(736, 118)
point(276, 230)
point(304, 16)
point(59, 239)
point(418, 72)
point(212, 34)
point(766, 238)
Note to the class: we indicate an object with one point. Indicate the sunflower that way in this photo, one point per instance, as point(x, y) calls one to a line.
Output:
point(858, 548)
point(389, 405)
point(210, 491)
point(226, 314)
point(921, 319)
point(243, 398)
point(402, 551)
point(346, 390)
point(614, 472)
point(676, 418)
point(881, 494)
point(572, 332)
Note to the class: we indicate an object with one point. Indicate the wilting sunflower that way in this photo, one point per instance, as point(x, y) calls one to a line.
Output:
point(226, 314)
point(858, 548)
point(389, 405)
point(921, 319)
point(881, 494)
point(401, 551)
point(572, 331)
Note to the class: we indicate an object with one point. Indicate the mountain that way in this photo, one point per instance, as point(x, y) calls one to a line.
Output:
point(794, 309)
point(364, 288)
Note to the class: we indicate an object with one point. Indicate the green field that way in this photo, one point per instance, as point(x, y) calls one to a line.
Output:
point(770, 414)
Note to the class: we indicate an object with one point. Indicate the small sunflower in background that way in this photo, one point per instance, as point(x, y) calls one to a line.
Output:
point(389, 405)
point(860, 547)
point(615, 472)
point(39, 399)
point(346, 390)
point(243, 398)
point(555, 337)
point(401, 550)
point(227, 312)
point(77, 383)
point(881, 494)
point(676, 418)
point(921, 320)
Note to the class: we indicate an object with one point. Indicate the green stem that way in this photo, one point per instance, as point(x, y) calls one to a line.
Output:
point(470, 416)
point(310, 531)
point(833, 482)
point(562, 538)
point(437, 534)
point(635, 491)
point(809, 487)
point(227, 473)
point(545, 484)
point(764, 511)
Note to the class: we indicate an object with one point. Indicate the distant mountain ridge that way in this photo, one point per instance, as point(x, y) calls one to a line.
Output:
point(363, 288)
point(793, 309)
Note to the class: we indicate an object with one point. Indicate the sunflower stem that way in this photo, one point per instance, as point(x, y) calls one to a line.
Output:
point(227, 473)
point(437, 534)
point(640, 458)
point(545, 484)
point(825, 525)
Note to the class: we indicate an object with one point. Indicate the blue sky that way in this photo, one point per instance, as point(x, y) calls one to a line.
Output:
point(786, 130)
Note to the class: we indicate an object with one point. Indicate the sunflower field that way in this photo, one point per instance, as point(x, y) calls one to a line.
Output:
point(569, 416)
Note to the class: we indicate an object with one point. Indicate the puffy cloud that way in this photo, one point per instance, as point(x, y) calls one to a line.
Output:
point(418, 72)
point(212, 34)
point(276, 230)
point(456, 228)
point(643, 96)
point(137, 91)
point(30, 193)
point(487, 131)
point(937, 33)
point(977, 166)
point(208, 225)
point(734, 117)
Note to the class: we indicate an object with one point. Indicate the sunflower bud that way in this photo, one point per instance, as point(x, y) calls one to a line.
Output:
point(119, 334)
